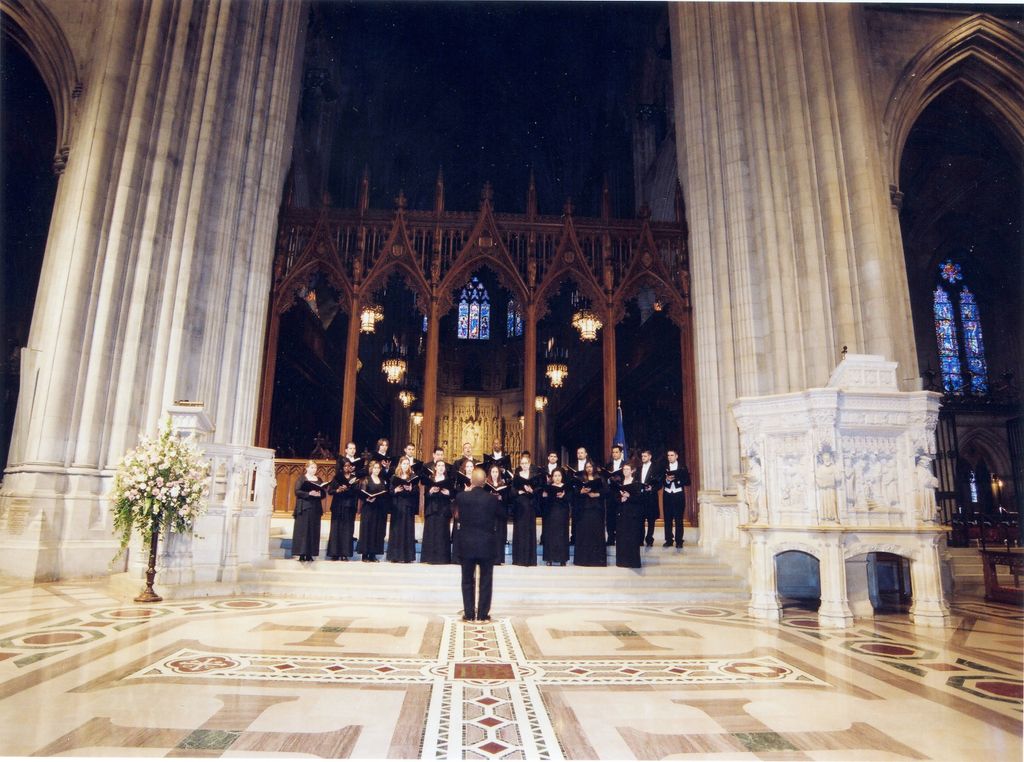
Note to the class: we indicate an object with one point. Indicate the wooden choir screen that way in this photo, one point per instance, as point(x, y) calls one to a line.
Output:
point(609, 261)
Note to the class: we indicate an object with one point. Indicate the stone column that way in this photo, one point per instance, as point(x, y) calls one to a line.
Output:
point(929, 605)
point(791, 256)
point(156, 278)
point(834, 611)
point(764, 596)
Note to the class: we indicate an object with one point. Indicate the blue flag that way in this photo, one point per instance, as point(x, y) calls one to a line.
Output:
point(620, 432)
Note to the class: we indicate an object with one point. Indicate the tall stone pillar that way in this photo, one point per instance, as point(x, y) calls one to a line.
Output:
point(348, 379)
point(610, 383)
point(156, 277)
point(791, 252)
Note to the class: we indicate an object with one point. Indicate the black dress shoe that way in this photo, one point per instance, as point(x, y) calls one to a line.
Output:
point(679, 545)
point(667, 544)
point(650, 543)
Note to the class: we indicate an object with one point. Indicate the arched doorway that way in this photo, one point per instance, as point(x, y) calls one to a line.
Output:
point(798, 579)
point(28, 135)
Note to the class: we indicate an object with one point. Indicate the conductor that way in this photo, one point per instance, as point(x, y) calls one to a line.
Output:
point(477, 516)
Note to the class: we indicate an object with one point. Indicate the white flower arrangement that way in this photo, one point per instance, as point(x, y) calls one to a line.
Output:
point(158, 485)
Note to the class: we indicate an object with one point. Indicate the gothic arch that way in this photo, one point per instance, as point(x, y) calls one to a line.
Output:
point(32, 27)
point(398, 256)
point(988, 445)
point(569, 263)
point(472, 260)
point(789, 546)
point(981, 53)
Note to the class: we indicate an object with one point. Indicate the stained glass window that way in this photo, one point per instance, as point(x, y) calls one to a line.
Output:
point(514, 320)
point(973, 481)
point(974, 346)
point(474, 311)
point(945, 335)
point(958, 323)
point(951, 271)
point(424, 324)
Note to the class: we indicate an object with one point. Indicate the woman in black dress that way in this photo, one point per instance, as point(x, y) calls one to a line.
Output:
point(373, 517)
point(437, 516)
point(343, 512)
point(404, 507)
point(308, 511)
point(526, 484)
point(590, 549)
point(496, 485)
point(557, 503)
point(629, 534)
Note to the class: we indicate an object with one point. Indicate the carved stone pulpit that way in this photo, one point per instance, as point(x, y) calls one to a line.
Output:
point(840, 472)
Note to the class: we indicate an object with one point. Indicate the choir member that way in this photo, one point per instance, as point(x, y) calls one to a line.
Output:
point(382, 456)
point(613, 476)
point(590, 547)
point(557, 499)
point(498, 458)
point(436, 457)
point(630, 529)
point(350, 456)
point(467, 457)
point(526, 483)
point(497, 486)
point(675, 479)
point(581, 460)
point(437, 515)
point(415, 464)
point(574, 474)
point(343, 513)
point(477, 515)
point(405, 504)
point(309, 494)
point(648, 479)
point(374, 513)
point(551, 466)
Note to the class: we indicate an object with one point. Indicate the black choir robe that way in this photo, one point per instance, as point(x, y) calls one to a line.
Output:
point(503, 492)
point(437, 521)
point(461, 483)
point(343, 517)
point(357, 463)
point(630, 529)
point(373, 516)
point(590, 549)
point(405, 500)
point(308, 512)
point(524, 527)
point(557, 502)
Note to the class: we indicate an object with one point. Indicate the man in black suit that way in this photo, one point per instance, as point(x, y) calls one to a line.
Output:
point(613, 479)
point(675, 479)
point(477, 516)
point(467, 455)
point(649, 479)
point(497, 457)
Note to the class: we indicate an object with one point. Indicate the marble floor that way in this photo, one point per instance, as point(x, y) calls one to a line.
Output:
point(85, 674)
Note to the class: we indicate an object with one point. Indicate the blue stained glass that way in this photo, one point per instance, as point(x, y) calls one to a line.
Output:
point(950, 271)
point(485, 320)
point(974, 345)
point(514, 320)
point(464, 319)
point(945, 336)
point(424, 324)
point(474, 311)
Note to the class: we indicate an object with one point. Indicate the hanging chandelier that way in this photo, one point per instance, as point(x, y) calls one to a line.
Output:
point(394, 369)
point(587, 323)
point(540, 403)
point(557, 373)
point(406, 397)
point(369, 317)
point(417, 417)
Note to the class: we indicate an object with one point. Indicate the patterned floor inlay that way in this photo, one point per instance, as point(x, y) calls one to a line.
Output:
point(250, 676)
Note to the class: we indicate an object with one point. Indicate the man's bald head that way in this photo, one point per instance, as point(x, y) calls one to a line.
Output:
point(479, 476)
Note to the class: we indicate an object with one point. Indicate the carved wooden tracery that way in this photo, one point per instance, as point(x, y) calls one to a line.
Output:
point(436, 251)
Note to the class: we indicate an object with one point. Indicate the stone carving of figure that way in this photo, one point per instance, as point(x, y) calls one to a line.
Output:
point(753, 487)
point(927, 483)
point(826, 479)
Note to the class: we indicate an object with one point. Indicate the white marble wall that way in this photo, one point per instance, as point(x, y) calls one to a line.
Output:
point(156, 276)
